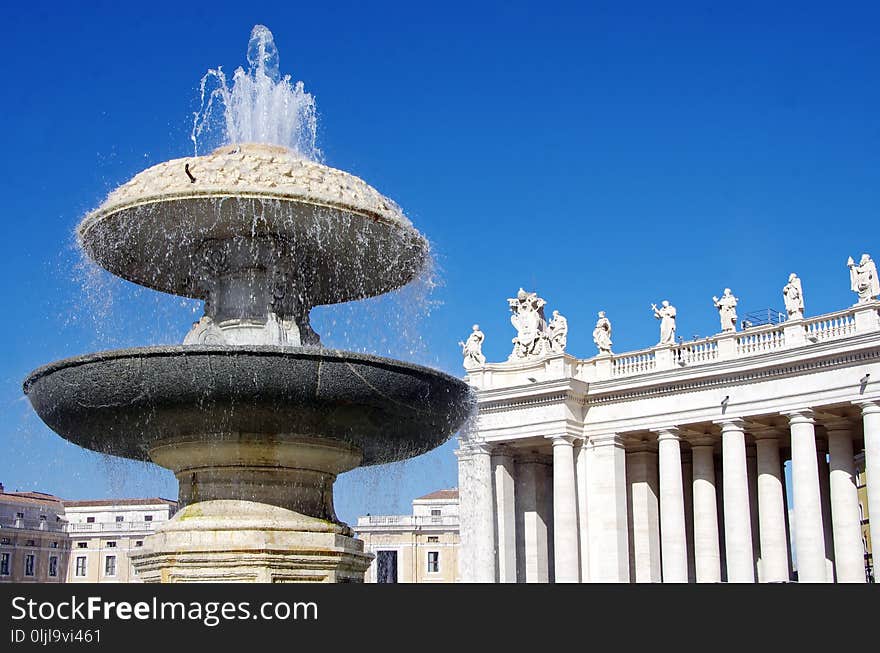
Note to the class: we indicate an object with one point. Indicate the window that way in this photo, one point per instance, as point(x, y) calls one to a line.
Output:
point(386, 566)
point(4, 540)
point(82, 545)
point(148, 518)
point(90, 520)
point(433, 562)
point(19, 515)
point(30, 543)
point(435, 512)
point(80, 566)
point(53, 545)
point(42, 517)
point(110, 566)
point(119, 518)
point(29, 564)
point(111, 545)
point(433, 538)
point(4, 564)
point(53, 566)
point(139, 543)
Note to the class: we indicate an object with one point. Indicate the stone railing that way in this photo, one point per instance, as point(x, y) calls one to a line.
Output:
point(635, 362)
point(759, 340)
point(408, 520)
point(103, 527)
point(830, 326)
point(753, 341)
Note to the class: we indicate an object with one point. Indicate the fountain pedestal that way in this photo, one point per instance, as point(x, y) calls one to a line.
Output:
point(245, 541)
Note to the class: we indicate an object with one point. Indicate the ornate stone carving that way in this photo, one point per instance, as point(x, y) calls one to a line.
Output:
point(793, 294)
point(863, 278)
point(472, 349)
point(558, 332)
point(531, 327)
point(602, 334)
point(666, 315)
point(726, 305)
point(205, 332)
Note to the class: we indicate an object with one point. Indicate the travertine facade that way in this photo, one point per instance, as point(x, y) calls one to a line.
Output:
point(667, 464)
point(417, 548)
point(34, 546)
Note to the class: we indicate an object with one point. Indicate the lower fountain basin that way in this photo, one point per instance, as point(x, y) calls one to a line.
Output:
point(125, 402)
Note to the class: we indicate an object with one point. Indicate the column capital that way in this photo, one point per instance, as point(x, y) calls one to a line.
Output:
point(868, 406)
point(472, 448)
point(729, 424)
point(667, 433)
point(561, 439)
point(607, 440)
point(799, 416)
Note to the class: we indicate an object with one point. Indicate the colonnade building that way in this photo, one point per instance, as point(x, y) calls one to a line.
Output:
point(667, 464)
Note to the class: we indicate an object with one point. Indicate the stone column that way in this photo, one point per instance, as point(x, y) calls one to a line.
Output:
point(825, 499)
point(673, 534)
point(644, 515)
point(477, 510)
point(581, 475)
point(532, 520)
point(809, 535)
point(687, 481)
point(737, 520)
point(565, 527)
point(871, 422)
point(771, 510)
point(606, 505)
point(848, 554)
point(505, 511)
point(707, 552)
point(752, 471)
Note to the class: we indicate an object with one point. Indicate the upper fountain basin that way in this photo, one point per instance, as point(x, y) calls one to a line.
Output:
point(125, 401)
point(336, 238)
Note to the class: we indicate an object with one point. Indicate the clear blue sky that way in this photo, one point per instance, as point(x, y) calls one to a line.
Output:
point(607, 155)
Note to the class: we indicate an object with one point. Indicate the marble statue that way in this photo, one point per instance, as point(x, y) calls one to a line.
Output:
point(472, 349)
point(726, 306)
point(205, 332)
point(863, 278)
point(558, 332)
point(793, 294)
point(531, 327)
point(602, 334)
point(666, 315)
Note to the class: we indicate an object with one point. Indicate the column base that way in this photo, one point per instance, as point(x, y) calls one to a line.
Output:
point(235, 541)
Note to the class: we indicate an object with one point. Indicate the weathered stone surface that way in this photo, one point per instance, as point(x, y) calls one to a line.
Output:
point(122, 402)
point(335, 237)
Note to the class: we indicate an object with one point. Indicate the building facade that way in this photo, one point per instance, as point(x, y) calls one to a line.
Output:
point(666, 464)
point(34, 547)
point(417, 548)
point(103, 532)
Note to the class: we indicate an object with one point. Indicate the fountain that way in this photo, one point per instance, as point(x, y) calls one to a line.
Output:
point(254, 417)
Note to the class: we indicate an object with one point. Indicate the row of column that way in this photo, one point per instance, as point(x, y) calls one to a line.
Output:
point(618, 515)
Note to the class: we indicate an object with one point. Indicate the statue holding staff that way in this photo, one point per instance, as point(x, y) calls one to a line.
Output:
point(666, 315)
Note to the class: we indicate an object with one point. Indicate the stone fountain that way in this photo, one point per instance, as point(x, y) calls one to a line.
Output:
point(254, 417)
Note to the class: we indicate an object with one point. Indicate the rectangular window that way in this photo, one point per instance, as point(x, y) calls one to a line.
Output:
point(53, 566)
point(433, 538)
point(386, 566)
point(4, 540)
point(80, 566)
point(148, 518)
point(111, 545)
point(435, 512)
point(139, 543)
point(110, 566)
point(19, 515)
point(82, 545)
point(119, 518)
point(4, 564)
point(90, 520)
point(433, 562)
point(31, 543)
point(53, 545)
point(29, 564)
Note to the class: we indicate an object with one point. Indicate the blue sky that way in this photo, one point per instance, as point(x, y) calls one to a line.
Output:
point(607, 155)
